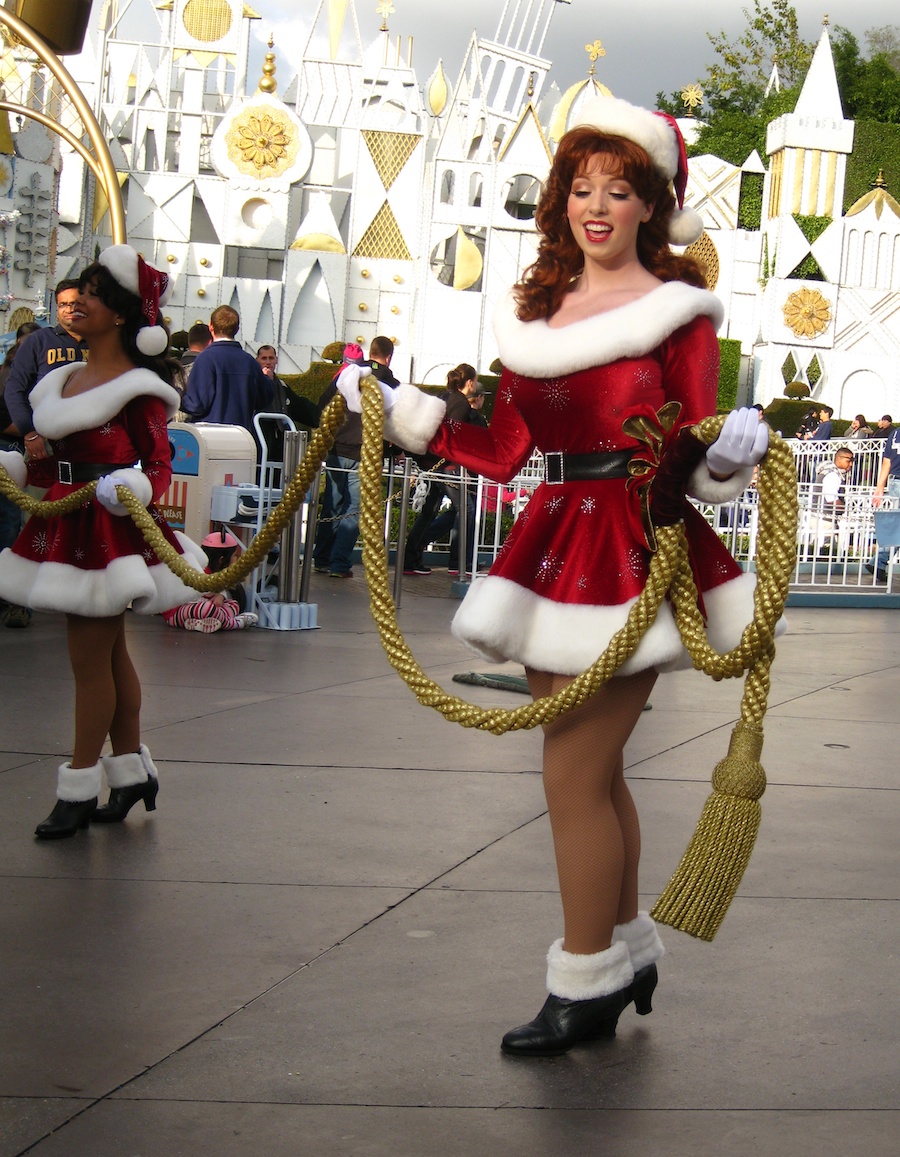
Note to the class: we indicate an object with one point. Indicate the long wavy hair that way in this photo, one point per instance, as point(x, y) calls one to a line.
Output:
point(559, 259)
point(128, 305)
point(457, 378)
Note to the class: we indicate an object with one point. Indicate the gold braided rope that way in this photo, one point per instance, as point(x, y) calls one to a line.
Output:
point(700, 891)
point(293, 495)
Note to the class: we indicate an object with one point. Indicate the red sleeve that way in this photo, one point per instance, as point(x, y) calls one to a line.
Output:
point(145, 421)
point(690, 369)
point(498, 451)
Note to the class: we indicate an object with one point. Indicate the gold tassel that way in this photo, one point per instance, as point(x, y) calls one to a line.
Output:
point(703, 885)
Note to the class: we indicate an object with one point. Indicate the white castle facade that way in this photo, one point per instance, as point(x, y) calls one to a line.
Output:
point(341, 194)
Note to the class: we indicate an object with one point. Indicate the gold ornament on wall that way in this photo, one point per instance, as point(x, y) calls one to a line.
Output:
point(806, 312)
point(261, 143)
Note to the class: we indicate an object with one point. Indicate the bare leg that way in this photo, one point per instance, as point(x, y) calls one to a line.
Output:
point(91, 645)
point(125, 729)
point(596, 834)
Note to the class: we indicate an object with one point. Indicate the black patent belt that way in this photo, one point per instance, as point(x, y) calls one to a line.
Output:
point(71, 472)
point(560, 467)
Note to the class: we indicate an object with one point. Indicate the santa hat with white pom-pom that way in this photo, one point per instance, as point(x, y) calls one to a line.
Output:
point(133, 273)
point(659, 135)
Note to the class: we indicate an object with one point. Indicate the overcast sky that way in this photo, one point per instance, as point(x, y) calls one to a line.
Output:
point(651, 45)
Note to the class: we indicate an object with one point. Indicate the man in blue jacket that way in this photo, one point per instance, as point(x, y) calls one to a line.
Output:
point(227, 385)
point(40, 352)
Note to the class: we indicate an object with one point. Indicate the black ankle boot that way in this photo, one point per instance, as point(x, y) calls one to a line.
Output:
point(563, 1023)
point(641, 992)
point(122, 800)
point(66, 818)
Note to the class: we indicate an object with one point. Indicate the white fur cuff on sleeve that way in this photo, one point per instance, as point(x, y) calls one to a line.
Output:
point(14, 465)
point(702, 485)
point(414, 418)
point(138, 483)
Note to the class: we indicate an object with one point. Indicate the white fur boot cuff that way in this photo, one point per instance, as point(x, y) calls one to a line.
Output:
point(124, 770)
point(78, 784)
point(644, 944)
point(576, 976)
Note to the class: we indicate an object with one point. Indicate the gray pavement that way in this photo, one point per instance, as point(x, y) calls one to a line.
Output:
point(342, 902)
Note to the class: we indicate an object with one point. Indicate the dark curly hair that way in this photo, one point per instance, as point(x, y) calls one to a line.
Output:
point(559, 259)
point(128, 305)
point(457, 377)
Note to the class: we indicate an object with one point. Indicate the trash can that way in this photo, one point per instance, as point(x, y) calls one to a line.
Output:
point(203, 456)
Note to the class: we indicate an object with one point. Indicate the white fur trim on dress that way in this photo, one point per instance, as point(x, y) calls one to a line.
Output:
point(414, 418)
point(501, 620)
point(124, 770)
point(14, 465)
point(576, 976)
point(56, 417)
point(642, 939)
point(55, 586)
point(703, 486)
point(535, 350)
point(77, 784)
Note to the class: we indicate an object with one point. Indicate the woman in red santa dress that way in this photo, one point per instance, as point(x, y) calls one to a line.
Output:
point(607, 325)
point(102, 419)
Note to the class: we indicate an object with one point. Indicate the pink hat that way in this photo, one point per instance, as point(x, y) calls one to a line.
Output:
point(221, 540)
point(353, 353)
point(133, 273)
point(659, 135)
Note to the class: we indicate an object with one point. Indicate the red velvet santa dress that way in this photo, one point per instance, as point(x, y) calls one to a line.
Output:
point(576, 559)
point(91, 562)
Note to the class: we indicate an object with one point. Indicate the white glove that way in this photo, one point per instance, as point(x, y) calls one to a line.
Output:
point(348, 387)
point(137, 483)
point(742, 441)
point(14, 465)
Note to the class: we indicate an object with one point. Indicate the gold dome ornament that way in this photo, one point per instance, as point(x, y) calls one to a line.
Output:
point(806, 312)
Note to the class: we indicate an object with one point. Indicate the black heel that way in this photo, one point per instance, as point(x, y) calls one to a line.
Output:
point(122, 800)
point(645, 981)
point(563, 1023)
point(66, 819)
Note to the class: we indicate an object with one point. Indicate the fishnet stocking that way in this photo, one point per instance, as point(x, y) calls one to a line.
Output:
point(107, 689)
point(596, 833)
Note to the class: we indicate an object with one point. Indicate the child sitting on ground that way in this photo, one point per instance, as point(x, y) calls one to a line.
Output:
point(219, 610)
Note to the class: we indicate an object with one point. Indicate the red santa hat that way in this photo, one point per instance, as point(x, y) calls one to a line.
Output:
point(659, 135)
point(133, 273)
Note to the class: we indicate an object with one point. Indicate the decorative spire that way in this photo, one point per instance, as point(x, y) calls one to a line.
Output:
point(825, 20)
point(691, 98)
point(594, 51)
point(384, 10)
point(879, 182)
point(268, 83)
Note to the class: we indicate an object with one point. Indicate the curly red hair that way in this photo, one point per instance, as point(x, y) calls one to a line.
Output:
point(559, 259)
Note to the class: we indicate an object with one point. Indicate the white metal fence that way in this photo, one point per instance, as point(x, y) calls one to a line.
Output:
point(836, 548)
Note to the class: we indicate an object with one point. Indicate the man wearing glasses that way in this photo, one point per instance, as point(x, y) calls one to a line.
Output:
point(39, 353)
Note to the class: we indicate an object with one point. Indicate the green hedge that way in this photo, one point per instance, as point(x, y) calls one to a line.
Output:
point(729, 371)
point(875, 146)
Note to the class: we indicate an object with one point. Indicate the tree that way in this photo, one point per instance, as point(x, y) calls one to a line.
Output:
point(870, 89)
point(884, 41)
point(738, 81)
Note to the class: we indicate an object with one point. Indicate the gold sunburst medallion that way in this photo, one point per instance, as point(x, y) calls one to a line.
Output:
point(806, 312)
point(262, 144)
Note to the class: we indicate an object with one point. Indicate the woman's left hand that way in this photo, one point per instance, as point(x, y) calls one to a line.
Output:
point(137, 483)
point(742, 441)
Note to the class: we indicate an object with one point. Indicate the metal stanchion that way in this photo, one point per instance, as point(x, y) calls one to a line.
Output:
point(463, 519)
point(309, 540)
point(289, 555)
point(401, 530)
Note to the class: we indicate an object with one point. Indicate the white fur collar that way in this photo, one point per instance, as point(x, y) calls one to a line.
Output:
point(57, 417)
point(534, 349)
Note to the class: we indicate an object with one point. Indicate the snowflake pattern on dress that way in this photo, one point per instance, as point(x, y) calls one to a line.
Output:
point(587, 505)
point(156, 426)
point(555, 504)
point(549, 568)
point(79, 554)
point(556, 393)
point(106, 429)
point(42, 542)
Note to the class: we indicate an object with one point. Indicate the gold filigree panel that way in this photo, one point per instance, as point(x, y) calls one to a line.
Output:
point(383, 238)
point(806, 312)
point(390, 152)
point(704, 252)
point(207, 20)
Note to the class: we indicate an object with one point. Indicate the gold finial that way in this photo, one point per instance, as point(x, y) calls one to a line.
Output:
point(268, 82)
point(879, 182)
point(531, 83)
point(594, 51)
point(692, 97)
point(825, 20)
point(384, 10)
